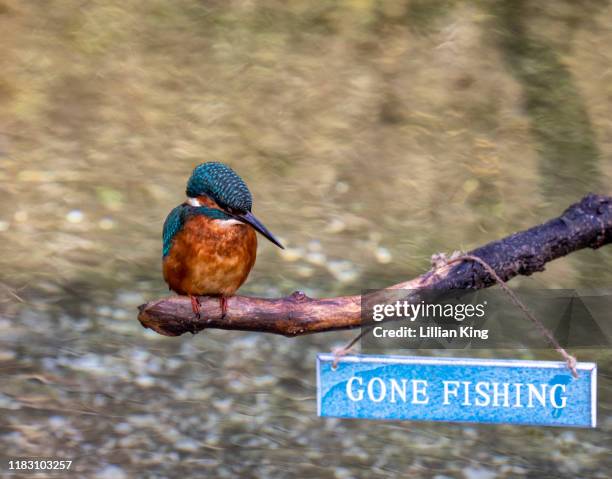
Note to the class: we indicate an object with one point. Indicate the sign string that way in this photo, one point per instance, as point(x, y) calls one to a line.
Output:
point(569, 359)
point(441, 260)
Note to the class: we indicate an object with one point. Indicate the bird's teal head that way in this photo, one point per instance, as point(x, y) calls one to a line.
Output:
point(221, 184)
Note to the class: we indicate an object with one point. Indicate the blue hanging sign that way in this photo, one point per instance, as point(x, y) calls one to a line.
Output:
point(460, 390)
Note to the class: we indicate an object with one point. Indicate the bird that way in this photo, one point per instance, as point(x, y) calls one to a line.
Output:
point(209, 241)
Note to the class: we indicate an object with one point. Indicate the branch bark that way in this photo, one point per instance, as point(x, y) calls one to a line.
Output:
point(586, 224)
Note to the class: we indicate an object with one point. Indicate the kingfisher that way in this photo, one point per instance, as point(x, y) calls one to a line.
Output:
point(209, 241)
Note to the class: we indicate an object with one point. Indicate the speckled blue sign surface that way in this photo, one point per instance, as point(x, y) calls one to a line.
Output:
point(465, 390)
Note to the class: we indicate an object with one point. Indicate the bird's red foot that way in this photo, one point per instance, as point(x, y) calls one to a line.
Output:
point(195, 306)
point(223, 301)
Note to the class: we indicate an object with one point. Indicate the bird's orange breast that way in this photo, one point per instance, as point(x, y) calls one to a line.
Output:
point(210, 257)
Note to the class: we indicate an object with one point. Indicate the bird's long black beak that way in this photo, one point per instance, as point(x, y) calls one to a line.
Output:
point(249, 218)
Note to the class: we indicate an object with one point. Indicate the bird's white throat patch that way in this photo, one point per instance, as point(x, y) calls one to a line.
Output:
point(229, 222)
point(195, 203)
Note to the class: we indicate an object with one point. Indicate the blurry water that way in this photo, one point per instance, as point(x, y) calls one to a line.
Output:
point(372, 134)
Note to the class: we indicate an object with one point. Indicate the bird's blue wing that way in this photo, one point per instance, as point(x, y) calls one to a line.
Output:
point(173, 224)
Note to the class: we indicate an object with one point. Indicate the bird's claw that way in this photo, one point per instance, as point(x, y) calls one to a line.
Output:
point(223, 301)
point(195, 306)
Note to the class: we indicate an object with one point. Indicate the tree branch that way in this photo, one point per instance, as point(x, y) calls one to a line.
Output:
point(586, 224)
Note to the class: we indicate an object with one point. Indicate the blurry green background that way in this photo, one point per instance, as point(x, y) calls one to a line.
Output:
point(372, 133)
